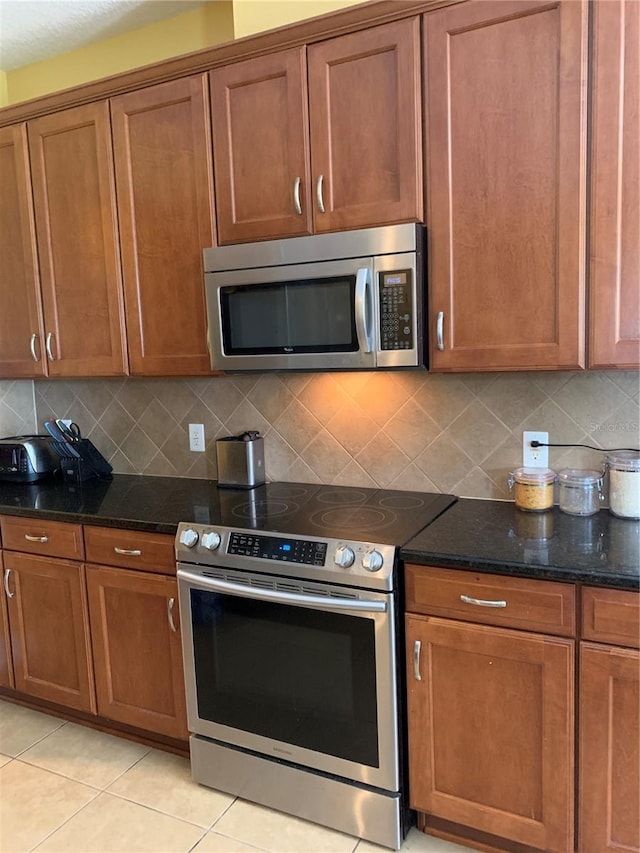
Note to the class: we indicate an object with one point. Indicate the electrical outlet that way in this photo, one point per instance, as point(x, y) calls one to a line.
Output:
point(196, 437)
point(535, 457)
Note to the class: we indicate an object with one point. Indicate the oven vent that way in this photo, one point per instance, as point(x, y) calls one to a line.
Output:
point(344, 594)
point(221, 575)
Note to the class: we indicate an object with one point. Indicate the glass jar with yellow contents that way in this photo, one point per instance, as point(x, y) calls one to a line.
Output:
point(533, 488)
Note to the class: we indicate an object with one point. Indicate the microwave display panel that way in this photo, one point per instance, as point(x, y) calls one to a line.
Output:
point(290, 317)
point(396, 310)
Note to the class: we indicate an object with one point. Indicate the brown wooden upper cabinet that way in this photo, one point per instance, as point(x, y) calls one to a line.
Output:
point(322, 141)
point(615, 186)
point(21, 325)
point(505, 112)
point(162, 147)
point(75, 215)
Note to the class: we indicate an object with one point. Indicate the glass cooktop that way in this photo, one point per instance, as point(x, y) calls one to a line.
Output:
point(386, 516)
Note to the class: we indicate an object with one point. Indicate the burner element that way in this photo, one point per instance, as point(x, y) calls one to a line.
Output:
point(401, 501)
point(264, 509)
point(342, 497)
point(354, 518)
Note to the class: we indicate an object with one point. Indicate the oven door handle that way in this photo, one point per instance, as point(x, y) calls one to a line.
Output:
point(319, 602)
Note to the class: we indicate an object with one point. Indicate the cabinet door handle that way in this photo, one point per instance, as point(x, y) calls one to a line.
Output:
point(319, 198)
point(32, 346)
point(416, 660)
point(10, 594)
point(170, 604)
point(440, 330)
point(41, 539)
point(296, 196)
point(128, 552)
point(50, 354)
point(482, 602)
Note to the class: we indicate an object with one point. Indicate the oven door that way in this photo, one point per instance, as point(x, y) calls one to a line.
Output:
point(296, 671)
point(303, 316)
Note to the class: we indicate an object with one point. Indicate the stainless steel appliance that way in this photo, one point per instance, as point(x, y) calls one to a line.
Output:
point(240, 460)
point(345, 301)
point(292, 636)
point(27, 458)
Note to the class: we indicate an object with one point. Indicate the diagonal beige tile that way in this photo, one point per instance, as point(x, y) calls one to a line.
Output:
point(112, 825)
point(21, 728)
point(5, 759)
point(382, 459)
point(163, 782)
point(280, 833)
point(85, 755)
point(34, 802)
point(416, 842)
point(214, 843)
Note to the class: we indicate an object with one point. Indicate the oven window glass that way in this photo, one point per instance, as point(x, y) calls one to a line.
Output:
point(288, 673)
point(290, 317)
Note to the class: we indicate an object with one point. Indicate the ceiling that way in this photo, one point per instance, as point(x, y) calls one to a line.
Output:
point(31, 30)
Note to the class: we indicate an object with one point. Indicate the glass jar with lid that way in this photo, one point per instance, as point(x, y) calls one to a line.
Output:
point(533, 488)
point(580, 492)
point(624, 483)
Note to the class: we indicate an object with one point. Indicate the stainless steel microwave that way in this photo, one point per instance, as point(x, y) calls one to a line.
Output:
point(347, 301)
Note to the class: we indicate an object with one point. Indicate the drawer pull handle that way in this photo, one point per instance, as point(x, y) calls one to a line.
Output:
point(296, 196)
point(480, 602)
point(170, 604)
point(440, 330)
point(128, 552)
point(416, 660)
point(319, 197)
point(32, 346)
point(41, 539)
point(7, 572)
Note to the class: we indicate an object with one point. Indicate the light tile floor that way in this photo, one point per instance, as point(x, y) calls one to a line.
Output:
point(64, 787)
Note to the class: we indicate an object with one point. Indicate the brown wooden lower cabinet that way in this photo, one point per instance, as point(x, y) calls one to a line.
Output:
point(48, 626)
point(609, 801)
point(137, 649)
point(491, 730)
point(6, 669)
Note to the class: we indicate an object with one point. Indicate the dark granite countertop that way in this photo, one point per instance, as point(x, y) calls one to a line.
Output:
point(136, 502)
point(489, 536)
point(494, 536)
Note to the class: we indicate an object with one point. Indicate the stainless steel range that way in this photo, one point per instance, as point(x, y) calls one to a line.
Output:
point(291, 633)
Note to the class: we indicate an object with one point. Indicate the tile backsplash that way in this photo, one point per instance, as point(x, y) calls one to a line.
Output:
point(459, 433)
point(17, 408)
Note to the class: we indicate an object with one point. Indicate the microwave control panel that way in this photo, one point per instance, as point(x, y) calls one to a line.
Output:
point(396, 309)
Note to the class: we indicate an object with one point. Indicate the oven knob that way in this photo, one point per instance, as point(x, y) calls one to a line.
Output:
point(188, 537)
point(210, 541)
point(372, 561)
point(344, 557)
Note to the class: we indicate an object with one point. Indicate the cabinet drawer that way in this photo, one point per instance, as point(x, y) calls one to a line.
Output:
point(611, 616)
point(532, 605)
point(131, 549)
point(37, 536)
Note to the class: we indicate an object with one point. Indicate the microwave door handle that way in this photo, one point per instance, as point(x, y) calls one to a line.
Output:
point(363, 309)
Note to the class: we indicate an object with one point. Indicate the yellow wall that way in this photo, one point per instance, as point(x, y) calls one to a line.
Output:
point(254, 16)
point(208, 25)
point(213, 23)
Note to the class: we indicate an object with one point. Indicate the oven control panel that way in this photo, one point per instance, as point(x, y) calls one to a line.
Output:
point(276, 548)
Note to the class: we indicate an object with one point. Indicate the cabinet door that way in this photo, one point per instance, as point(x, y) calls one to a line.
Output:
point(74, 199)
point(20, 311)
point(365, 116)
point(615, 186)
point(609, 795)
point(491, 730)
point(505, 92)
point(261, 147)
point(137, 649)
point(162, 150)
point(48, 625)
point(6, 668)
